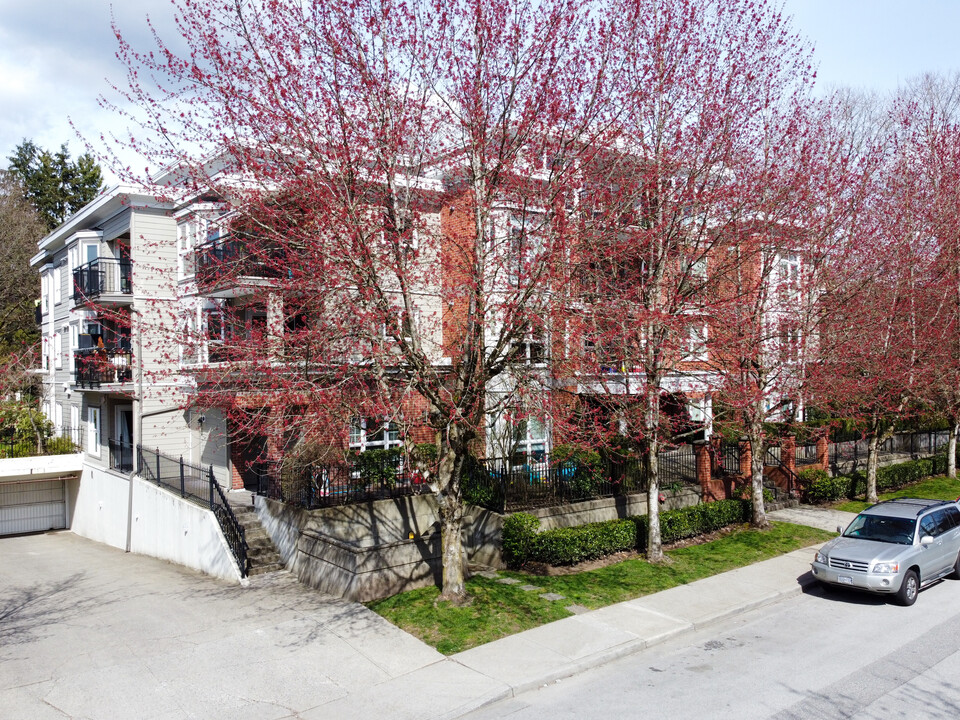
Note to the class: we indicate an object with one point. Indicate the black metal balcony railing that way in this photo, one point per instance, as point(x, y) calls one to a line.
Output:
point(221, 262)
point(103, 366)
point(121, 455)
point(103, 276)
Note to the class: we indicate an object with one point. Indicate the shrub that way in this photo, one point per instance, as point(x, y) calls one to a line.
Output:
point(571, 545)
point(377, 467)
point(61, 446)
point(519, 535)
point(568, 546)
point(581, 470)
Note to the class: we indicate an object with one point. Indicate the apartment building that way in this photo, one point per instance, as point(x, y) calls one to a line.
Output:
point(110, 361)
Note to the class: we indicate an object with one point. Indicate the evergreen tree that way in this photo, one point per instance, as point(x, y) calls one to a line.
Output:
point(55, 185)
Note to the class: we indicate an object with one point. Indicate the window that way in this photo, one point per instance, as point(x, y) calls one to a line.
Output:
point(696, 345)
point(58, 419)
point(530, 350)
point(58, 284)
point(44, 293)
point(93, 431)
point(789, 277)
point(74, 344)
point(373, 434)
point(529, 441)
point(74, 421)
point(45, 352)
point(58, 350)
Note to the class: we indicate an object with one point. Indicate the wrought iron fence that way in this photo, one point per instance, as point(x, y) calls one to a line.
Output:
point(102, 276)
point(121, 455)
point(200, 487)
point(62, 441)
point(916, 444)
point(369, 477)
point(806, 454)
point(678, 465)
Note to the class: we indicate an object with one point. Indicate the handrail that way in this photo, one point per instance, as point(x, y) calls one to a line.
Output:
point(188, 480)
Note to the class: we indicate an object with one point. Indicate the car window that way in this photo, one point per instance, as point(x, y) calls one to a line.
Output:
point(882, 529)
point(954, 514)
point(928, 525)
point(944, 521)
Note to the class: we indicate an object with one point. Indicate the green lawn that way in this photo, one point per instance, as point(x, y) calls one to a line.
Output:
point(498, 610)
point(933, 488)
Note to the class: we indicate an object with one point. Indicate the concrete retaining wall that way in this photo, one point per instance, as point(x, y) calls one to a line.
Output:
point(163, 525)
point(605, 509)
point(364, 552)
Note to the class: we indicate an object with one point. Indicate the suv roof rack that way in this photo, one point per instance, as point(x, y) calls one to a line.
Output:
point(922, 502)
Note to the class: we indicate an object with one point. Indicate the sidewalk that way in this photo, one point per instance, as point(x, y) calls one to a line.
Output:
point(466, 681)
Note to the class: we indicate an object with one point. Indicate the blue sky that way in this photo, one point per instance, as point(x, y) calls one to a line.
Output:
point(57, 56)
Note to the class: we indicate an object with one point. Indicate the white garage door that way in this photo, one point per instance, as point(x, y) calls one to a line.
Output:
point(32, 506)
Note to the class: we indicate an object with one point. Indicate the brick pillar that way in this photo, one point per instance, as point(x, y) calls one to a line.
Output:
point(788, 453)
point(823, 453)
point(710, 489)
point(746, 459)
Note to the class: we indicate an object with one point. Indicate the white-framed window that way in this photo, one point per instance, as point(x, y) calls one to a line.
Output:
point(45, 293)
point(696, 342)
point(58, 350)
point(531, 349)
point(58, 419)
point(58, 284)
point(74, 344)
point(530, 438)
point(45, 352)
point(789, 276)
point(374, 434)
point(186, 247)
point(93, 431)
point(74, 421)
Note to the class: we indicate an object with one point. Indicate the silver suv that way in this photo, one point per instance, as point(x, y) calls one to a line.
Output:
point(894, 547)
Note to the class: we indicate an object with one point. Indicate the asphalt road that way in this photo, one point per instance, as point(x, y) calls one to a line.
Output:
point(824, 654)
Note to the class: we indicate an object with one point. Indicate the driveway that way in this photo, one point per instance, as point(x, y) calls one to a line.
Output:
point(87, 631)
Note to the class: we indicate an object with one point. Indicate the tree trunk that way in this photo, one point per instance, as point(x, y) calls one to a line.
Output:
point(873, 450)
point(450, 507)
point(654, 541)
point(758, 518)
point(952, 449)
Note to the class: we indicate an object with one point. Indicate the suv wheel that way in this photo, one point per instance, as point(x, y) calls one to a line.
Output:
point(907, 595)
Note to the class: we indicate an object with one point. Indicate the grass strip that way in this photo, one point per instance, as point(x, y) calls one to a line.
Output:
point(933, 488)
point(497, 610)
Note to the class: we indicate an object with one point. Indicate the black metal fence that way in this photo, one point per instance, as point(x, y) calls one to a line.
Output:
point(371, 476)
point(915, 444)
point(498, 484)
point(62, 441)
point(806, 454)
point(199, 486)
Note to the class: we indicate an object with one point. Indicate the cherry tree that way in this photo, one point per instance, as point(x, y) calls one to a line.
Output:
point(398, 174)
point(707, 91)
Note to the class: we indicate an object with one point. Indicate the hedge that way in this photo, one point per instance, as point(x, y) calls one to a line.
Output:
point(817, 487)
point(571, 545)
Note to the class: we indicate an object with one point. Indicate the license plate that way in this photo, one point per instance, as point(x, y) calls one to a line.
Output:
point(844, 580)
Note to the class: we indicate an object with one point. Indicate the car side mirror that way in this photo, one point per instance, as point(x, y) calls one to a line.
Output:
point(839, 529)
point(926, 540)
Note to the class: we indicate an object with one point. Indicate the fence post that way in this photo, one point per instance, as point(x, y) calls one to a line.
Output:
point(182, 483)
point(823, 453)
point(211, 487)
point(158, 467)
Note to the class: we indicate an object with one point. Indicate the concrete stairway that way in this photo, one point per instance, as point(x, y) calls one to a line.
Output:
point(261, 552)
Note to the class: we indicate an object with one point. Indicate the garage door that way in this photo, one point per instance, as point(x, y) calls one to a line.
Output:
point(32, 506)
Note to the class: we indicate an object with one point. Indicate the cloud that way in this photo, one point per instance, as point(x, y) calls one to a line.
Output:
point(57, 57)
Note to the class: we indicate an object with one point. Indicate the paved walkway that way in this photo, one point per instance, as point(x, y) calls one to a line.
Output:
point(90, 632)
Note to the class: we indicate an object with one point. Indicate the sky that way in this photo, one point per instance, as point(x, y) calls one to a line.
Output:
point(58, 56)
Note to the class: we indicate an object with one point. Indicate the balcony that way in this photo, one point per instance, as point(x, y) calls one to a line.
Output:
point(106, 280)
point(96, 366)
point(226, 267)
point(121, 455)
